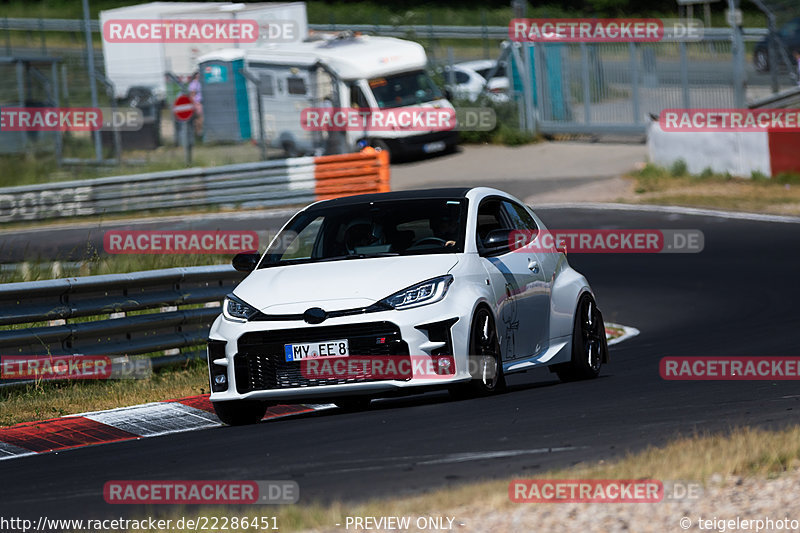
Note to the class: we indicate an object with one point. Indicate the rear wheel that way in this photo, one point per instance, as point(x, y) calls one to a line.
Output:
point(588, 343)
point(485, 362)
point(240, 412)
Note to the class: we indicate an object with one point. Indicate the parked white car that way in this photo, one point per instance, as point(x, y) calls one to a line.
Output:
point(373, 295)
point(472, 76)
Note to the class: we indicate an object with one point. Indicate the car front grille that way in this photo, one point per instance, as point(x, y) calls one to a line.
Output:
point(260, 363)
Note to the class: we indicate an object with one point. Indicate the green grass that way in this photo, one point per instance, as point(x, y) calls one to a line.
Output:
point(50, 399)
point(93, 264)
point(759, 193)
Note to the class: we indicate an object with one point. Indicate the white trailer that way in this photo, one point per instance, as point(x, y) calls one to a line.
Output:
point(341, 71)
point(146, 64)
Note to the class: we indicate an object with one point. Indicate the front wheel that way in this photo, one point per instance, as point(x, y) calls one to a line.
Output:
point(485, 361)
point(589, 346)
point(240, 412)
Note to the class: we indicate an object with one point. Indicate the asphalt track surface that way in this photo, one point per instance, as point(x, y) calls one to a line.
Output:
point(738, 297)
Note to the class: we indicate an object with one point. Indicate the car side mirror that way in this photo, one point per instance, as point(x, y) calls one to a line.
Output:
point(497, 241)
point(246, 261)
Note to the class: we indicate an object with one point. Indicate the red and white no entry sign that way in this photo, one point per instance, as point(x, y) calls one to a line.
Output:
point(183, 108)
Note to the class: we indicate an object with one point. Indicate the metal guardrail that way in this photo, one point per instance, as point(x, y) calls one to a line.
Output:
point(419, 30)
point(298, 180)
point(48, 24)
point(788, 99)
point(118, 314)
point(284, 182)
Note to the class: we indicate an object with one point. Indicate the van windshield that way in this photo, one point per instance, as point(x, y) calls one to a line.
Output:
point(409, 88)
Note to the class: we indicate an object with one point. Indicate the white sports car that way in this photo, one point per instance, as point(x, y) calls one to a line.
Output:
point(380, 294)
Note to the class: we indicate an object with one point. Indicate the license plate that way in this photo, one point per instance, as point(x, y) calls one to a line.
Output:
point(438, 146)
point(313, 350)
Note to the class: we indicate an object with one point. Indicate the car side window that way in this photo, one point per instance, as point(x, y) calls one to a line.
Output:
point(519, 216)
point(461, 77)
point(490, 217)
point(357, 98)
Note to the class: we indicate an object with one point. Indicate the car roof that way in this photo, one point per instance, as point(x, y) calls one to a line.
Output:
point(477, 64)
point(416, 194)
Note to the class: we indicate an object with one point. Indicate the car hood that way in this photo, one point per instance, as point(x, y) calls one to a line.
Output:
point(335, 285)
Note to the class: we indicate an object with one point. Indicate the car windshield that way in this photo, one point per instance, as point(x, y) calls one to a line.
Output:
point(409, 88)
point(374, 229)
point(499, 73)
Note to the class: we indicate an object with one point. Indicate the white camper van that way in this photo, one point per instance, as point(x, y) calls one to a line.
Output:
point(145, 64)
point(339, 70)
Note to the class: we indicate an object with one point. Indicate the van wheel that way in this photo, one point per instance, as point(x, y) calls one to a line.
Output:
point(380, 144)
point(290, 148)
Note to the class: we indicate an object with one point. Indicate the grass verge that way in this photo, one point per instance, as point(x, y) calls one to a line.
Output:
point(93, 264)
point(675, 186)
point(51, 399)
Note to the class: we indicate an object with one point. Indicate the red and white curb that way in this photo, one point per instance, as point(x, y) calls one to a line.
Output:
point(616, 333)
point(151, 420)
point(125, 423)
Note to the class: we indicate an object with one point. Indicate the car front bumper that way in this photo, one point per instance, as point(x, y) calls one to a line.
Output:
point(251, 354)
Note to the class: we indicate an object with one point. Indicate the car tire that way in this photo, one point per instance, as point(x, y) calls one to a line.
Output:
point(761, 60)
point(485, 363)
point(352, 405)
point(240, 412)
point(589, 347)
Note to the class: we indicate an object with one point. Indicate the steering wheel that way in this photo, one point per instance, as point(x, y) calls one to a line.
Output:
point(434, 240)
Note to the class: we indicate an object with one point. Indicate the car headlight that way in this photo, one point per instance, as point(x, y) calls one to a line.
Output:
point(235, 309)
point(423, 293)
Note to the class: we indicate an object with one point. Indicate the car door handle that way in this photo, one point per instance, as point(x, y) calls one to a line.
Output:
point(533, 266)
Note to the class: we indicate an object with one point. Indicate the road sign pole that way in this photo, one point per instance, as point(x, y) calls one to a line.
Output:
point(183, 110)
point(187, 147)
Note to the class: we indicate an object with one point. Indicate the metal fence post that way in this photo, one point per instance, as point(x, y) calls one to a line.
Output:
point(21, 97)
point(587, 93)
point(485, 34)
point(8, 37)
point(635, 82)
point(684, 75)
point(738, 58)
point(57, 102)
point(98, 147)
